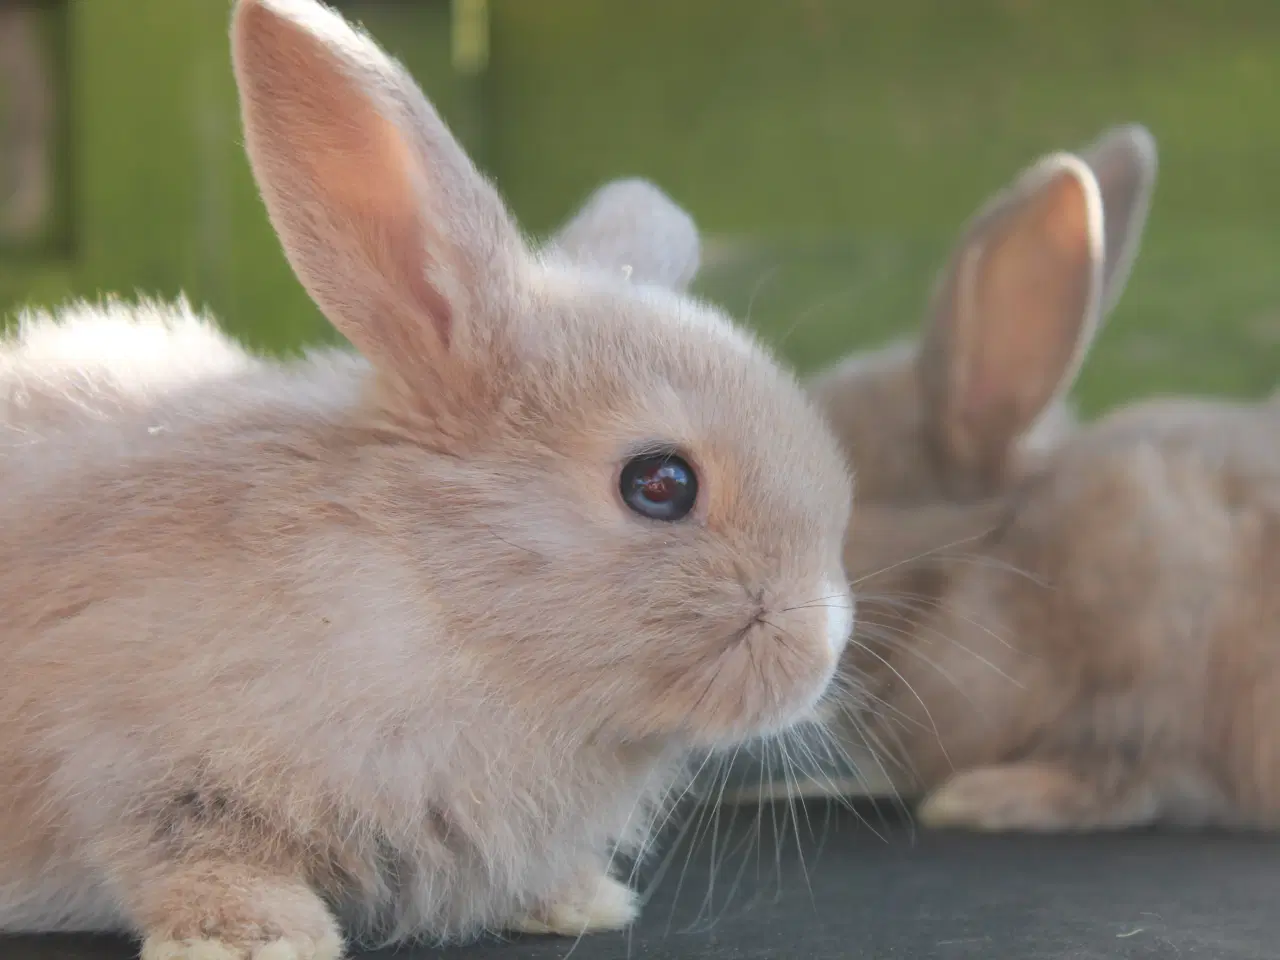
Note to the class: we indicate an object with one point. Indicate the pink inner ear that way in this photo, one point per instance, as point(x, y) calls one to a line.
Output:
point(375, 182)
point(1032, 297)
point(335, 151)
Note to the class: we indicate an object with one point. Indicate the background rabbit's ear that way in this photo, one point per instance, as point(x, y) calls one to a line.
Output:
point(400, 241)
point(630, 225)
point(1124, 160)
point(1014, 314)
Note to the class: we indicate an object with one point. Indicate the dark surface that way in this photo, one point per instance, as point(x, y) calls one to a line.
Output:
point(883, 890)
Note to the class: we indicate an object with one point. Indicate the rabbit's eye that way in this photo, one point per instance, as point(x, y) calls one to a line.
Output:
point(660, 486)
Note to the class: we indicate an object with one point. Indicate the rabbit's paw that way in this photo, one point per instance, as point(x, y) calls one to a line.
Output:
point(599, 904)
point(328, 947)
point(1027, 797)
point(227, 911)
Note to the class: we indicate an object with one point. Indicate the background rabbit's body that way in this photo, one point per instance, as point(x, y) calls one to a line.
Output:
point(1089, 641)
point(1107, 655)
point(391, 638)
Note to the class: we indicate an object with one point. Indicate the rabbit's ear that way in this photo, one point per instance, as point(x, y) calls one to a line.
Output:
point(405, 247)
point(1124, 160)
point(1014, 313)
point(633, 227)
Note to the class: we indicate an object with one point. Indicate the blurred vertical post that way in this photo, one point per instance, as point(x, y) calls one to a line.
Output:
point(470, 36)
point(469, 50)
point(26, 119)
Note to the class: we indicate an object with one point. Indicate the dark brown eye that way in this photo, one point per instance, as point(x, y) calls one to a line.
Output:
point(660, 486)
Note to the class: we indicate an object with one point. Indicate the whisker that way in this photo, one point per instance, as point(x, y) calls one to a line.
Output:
point(933, 551)
point(923, 706)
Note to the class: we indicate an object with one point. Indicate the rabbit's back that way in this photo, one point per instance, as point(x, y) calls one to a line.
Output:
point(1199, 563)
point(1121, 620)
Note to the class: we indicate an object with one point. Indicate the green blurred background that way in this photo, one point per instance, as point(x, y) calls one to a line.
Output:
point(830, 149)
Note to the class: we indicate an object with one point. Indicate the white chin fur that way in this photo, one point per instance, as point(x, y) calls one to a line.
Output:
point(839, 616)
point(839, 604)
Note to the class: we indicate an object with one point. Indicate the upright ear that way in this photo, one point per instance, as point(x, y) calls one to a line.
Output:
point(1014, 314)
point(631, 226)
point(400, 241)
point(1124, 161)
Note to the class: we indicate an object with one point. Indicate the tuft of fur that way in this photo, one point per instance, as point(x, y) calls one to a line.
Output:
point(88, 362)
point(1089, 645)
point(369, 641)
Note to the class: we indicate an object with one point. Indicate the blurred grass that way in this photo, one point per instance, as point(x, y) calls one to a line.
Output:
point(835, 146)
point(845, 143)
point(1201, 313)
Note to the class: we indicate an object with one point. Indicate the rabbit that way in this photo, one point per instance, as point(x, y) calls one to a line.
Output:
point(409, 642)
point(89, 361)
point(900, 408)
point(900, 412)
point(1093, 647)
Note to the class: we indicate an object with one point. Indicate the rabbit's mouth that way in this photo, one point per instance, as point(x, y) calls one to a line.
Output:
point(775, 641)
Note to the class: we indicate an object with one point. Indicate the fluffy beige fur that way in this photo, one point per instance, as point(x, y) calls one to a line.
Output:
point(370, 640)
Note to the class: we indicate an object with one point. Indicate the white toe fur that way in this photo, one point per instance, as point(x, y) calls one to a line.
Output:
point(189, 950)
point(610, 905)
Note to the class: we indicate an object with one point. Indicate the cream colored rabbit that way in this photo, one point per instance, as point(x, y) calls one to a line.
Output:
point(1095, 647)
point(410, 642)
point(900, 410)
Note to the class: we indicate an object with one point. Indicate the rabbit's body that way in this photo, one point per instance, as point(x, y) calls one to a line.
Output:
point(419, 640)
point(430, 798)
point(1090, 642)
point(1103, 653)
point(304, 726)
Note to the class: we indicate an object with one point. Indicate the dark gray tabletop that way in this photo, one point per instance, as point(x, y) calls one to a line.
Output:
point(835, 887)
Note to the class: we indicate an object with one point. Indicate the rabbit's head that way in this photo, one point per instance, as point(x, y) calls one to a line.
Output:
point(636, 515)
point(958, 414)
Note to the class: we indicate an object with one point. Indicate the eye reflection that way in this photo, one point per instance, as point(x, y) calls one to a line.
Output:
point(660, 486)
